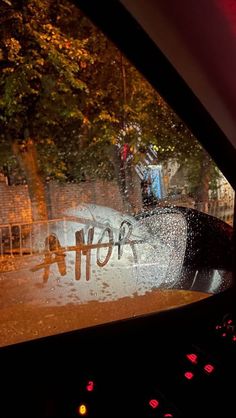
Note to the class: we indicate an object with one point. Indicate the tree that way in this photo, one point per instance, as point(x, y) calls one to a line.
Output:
point(40, 85)
point(72, 107)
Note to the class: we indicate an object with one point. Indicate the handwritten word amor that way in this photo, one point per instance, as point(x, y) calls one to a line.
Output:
point(55, 253)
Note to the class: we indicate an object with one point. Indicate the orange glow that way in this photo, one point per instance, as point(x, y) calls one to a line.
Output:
point(82, 409)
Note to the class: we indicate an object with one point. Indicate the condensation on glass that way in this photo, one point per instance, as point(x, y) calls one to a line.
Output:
point(103, 188)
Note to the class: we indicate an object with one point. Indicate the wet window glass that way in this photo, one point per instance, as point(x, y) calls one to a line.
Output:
point(110, 208)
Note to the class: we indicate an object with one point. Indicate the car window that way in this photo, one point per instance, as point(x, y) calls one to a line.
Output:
point(110, 207)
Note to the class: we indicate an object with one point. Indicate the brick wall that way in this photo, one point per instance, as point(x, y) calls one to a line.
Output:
point(15, 203)
point(64, 196)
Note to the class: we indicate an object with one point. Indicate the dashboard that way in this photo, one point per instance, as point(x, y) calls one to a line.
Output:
point(177, 364)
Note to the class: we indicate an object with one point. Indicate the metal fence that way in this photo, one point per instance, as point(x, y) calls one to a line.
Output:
point(20, 239)
point(222, 210)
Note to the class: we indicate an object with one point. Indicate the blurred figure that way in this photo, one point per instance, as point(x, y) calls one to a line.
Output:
point(148, 198)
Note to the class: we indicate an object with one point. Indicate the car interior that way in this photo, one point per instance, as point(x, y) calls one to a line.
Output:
point(118, 304)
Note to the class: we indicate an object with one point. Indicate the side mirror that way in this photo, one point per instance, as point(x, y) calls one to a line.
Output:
point(207, 246)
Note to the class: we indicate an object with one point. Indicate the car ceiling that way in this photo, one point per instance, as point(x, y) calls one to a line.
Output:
point(199, 39)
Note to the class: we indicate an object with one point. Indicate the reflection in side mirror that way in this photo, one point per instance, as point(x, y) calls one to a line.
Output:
point(207, 264)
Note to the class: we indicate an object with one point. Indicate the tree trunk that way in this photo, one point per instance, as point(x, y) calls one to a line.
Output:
point(26, 155)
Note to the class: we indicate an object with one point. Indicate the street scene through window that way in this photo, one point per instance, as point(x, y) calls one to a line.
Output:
point(104, 190)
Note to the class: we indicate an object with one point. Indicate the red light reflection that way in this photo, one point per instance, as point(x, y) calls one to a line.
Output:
point(154, 403)
point(192, 357)
point(189, 375)
point(209, 368)
point(90, 386)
